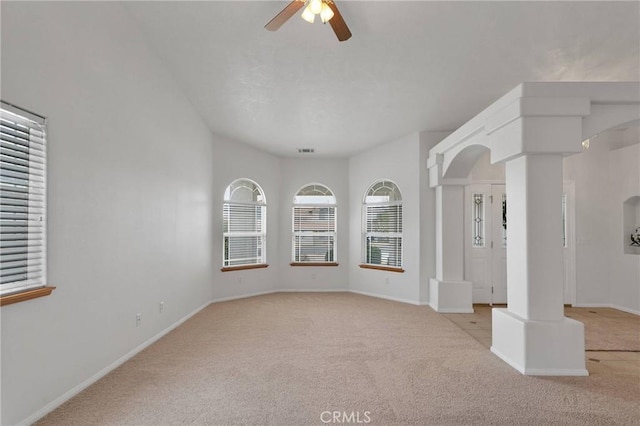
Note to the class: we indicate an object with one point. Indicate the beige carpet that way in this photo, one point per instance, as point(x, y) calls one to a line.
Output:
point(284, 359)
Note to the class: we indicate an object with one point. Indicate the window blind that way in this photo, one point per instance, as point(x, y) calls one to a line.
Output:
point(244, 234)
point(314, 233)
point(22, 200)
point(383, 234)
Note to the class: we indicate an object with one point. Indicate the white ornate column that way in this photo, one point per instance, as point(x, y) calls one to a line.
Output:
point(448, 292)
point(532, 334)
point(531, 128)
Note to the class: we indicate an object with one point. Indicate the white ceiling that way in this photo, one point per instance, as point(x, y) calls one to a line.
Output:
point(410, 66)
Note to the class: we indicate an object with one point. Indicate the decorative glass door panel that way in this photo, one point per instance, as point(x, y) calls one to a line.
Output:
point(485, 242)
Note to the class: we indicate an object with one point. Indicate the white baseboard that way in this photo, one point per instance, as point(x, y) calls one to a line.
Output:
point(506, 359)
point(627, 310)
point(281, 290)
point(100, 374)
point(591, 305)
point(243, 296)
point(452, 310)
point(539, 371)
point(555, 372)
point(319, 290)
point(381, 296)
point(607, 305)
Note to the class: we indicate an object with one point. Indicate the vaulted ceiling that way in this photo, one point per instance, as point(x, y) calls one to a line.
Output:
point(410, 66)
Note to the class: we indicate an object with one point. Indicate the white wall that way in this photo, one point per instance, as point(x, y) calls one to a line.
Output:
point(130, 184)
point(398, 161)
point(624, 182)
point(605, 176)
point(232, 161)
point(590, 171)
point(136, 185)
point(334, 174)
point(483, 170)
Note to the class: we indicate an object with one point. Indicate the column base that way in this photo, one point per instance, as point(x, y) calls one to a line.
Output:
point(539, 348)
point(451, 296)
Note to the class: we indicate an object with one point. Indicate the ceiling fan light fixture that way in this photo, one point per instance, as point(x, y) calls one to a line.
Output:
point(308, 15)
point(326, 13)
point(315, 6)
point(327, 10)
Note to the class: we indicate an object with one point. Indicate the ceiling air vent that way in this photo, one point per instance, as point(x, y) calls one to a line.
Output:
point(306, 150)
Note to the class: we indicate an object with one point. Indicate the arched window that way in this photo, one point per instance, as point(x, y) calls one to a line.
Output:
point(245, 224)
point(382, 225)
point(314, 226)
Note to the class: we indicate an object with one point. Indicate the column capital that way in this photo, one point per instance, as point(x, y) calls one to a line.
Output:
point(537, 107)
point(560, 135)
point(434, 165)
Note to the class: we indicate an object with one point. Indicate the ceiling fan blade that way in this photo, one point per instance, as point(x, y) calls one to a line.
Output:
point(338, 24)
point(284, 15)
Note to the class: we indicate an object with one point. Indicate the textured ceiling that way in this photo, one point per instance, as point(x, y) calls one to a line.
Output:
point(410, 66)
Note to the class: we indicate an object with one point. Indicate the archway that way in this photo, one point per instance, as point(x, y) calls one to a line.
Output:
point(530, 129)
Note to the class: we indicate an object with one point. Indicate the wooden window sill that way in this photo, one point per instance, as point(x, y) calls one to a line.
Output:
point(381, 267)
point(25, 295)
point(243, 267)
point(313, 264)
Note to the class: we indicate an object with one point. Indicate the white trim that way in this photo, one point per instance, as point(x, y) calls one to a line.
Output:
point(91, 380)
point(506, 359)
point(262, 234)
point(607, 305)
point(451, 310)
point(592, 305)
point(539, 371)
point(555, 372)
point(264, 197)
point(322, 290)
point(335, 199)
point(314, 290)
point(627, 310)
point(243, 296)
point(100, 374)
point(394, 299)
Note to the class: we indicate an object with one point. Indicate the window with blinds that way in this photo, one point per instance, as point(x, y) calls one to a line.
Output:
point(22, 200)
point(245, 224)
point(382, 223)
point(314, 225)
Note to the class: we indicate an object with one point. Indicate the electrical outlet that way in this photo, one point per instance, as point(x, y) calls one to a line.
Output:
point(138, 319)
point(161, 306)
point(386, 280)
point(313, 276)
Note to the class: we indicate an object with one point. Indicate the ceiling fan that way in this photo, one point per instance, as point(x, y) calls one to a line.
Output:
point(327, 10)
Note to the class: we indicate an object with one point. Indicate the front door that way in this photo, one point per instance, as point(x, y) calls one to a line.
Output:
point(486, 243)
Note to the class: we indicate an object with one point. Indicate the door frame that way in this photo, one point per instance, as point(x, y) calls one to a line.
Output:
point(569, 188)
